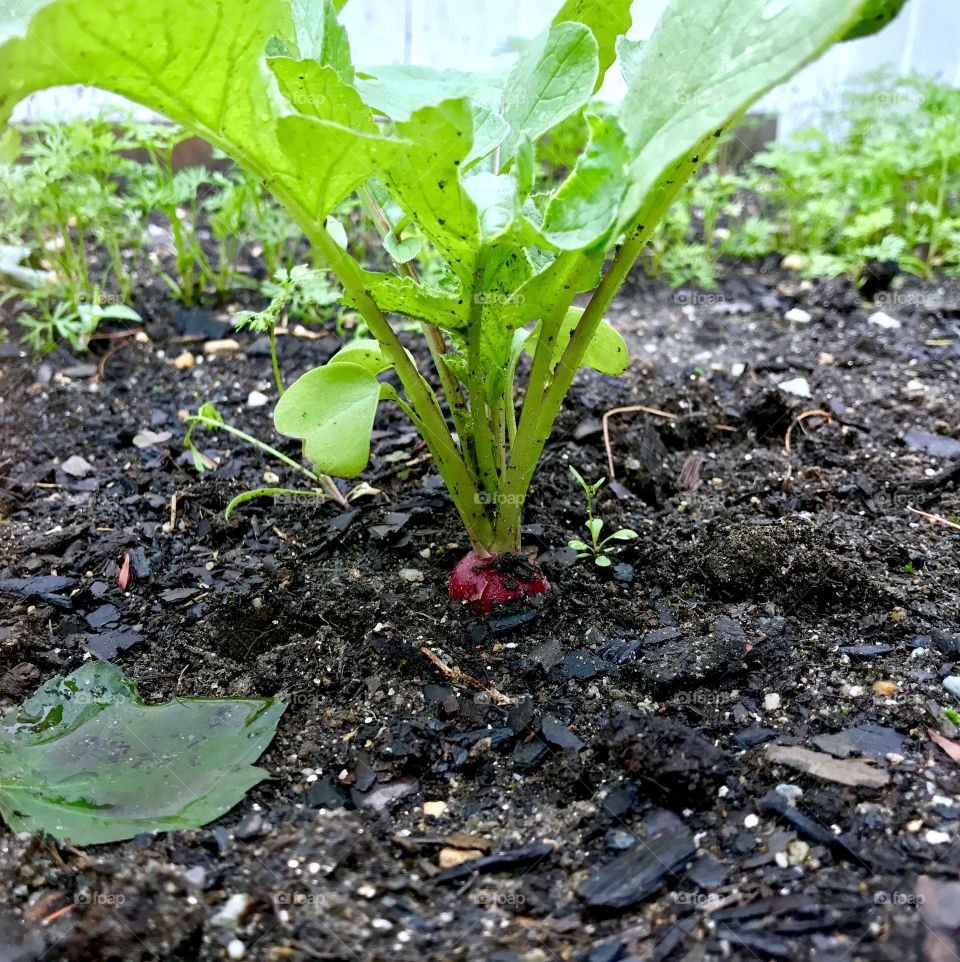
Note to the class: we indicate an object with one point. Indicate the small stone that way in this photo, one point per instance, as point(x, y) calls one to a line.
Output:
point(952, 684)
point(230, 913)
point(236, 949)
point(797, 851)
point(794, 262)
point(751, 821)
point(884, 320)
point(797, 315)
point(452, 857)
point(224, 347)
point(855, 691)
point(257, 399)
point(898, 616)
point(624, 573)
point(77, 467)
point(184, 361)
point(884, 689)
point(434, 809)
point(790, 792)
point(771, 701)
point(411, 574)
point(914, 826)
point(798, 387)
point(937, 838)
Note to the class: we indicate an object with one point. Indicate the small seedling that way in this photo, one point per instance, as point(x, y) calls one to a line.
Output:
point(597, 549)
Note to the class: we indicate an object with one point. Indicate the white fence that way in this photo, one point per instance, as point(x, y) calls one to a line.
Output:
point(476, 35)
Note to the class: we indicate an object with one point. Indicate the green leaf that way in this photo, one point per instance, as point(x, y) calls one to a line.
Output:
point(403, 295)
point(320, 36)
point(425, 182)
point(629, 53)
point(607, 19)
point(85, 758)
point(366, 353)
point(624, 534)
point(594, 526)
point(400, 91)
point(579, 545)
point(402, 251)
point(554, 75)
point(874, 17)
point(331, 409)
point(606, 353)
point(255, 493)
point(706, 62)
point(583, 212)
point(602, 561)
point(318, 91)
point(200, 65)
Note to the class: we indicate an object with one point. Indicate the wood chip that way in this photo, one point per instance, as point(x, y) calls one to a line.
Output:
point(950, 747)
point(221, 348)
point(184, 361)
point(845, 771)
point(452, 857)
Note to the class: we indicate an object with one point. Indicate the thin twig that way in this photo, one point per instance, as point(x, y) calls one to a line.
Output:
point(826, 415)
point(632, 409)
point(464, 680)
point(936, 518)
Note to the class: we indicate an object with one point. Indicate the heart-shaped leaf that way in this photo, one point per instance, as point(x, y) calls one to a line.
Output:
point(331, 409)
point(85, 758)
point(402, 250)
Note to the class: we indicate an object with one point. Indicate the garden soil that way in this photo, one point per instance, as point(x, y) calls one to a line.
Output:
point(729, 744)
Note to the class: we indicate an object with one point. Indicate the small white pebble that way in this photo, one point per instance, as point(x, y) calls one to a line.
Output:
point(366, 891)
point(797, 315)
point(771, 701)
point(411, 574)
point(313, 868)
point(751, 821)
point(256, 399)
point(382, 925)
point(236, 949)
point(937, 838)
point(855, 691)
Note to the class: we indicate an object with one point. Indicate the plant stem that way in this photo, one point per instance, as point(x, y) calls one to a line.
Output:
point(460, 483)
point(434, 337)
point(273, 358)
point(529, 446)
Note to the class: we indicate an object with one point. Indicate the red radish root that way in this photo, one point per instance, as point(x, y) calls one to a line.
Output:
point(481, 581)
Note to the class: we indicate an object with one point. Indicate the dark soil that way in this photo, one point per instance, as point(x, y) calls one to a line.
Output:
point(622, 801)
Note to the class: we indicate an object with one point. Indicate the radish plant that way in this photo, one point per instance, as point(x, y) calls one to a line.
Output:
point(446, 161)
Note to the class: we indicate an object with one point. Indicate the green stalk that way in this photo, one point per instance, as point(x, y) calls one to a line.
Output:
point(450, 464)
point(480, 427)
point(434, 337)
point(530, 443)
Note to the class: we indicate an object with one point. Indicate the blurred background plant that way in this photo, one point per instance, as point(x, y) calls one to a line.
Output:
point(94, 211)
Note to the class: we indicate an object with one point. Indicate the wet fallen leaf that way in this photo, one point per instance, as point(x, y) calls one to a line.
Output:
point(85, 758)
